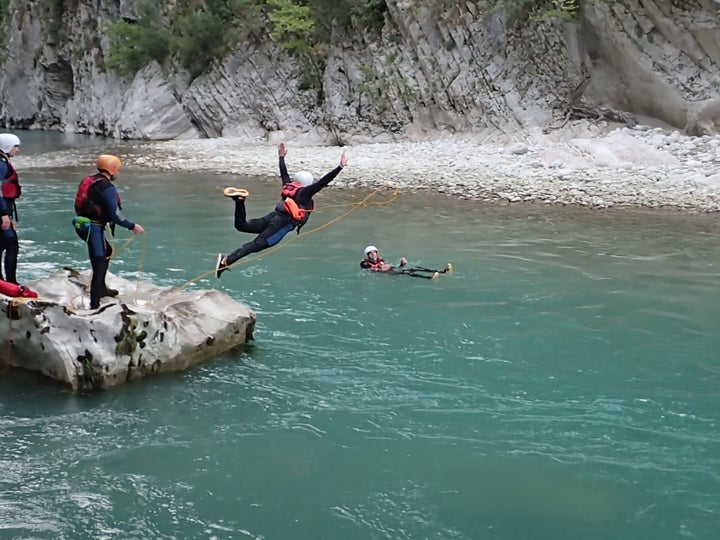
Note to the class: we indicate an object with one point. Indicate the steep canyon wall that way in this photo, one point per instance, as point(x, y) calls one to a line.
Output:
point(428, 72)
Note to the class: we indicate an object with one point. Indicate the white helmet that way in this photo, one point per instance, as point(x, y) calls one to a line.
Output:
point(369, 249)
point(8, 141)
point(303, 178)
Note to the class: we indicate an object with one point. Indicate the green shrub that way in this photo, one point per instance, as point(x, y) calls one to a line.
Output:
point(196, 32)
point(199, 40)
point(4, 11)
point(292, 26)
point(204, 34)
point(133, 46)
point(370, 15)
point(193, 32)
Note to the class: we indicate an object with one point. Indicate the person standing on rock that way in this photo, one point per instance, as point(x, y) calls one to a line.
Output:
point(292, 212)
point(374, 262)
point(97, 203)
point(9, 148)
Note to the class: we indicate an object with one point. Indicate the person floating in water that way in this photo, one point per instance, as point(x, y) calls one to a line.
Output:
point(290, 213)
point(374, 262)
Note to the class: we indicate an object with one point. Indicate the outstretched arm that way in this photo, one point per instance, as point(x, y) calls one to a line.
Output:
point(110, 202)
point(310, 191)
point(282, 152)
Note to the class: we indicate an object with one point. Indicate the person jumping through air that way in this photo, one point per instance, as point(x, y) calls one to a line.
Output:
point(291, 212)
point(375, 263)
point(97, 203)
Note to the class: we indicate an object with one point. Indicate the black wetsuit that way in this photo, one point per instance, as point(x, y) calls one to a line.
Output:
point(104, 195)
point(272, 227)
point(8, 238)
point(417, 271)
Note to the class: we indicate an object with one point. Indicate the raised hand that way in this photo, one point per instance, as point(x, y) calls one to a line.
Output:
point(343, 160)
point(282, 151)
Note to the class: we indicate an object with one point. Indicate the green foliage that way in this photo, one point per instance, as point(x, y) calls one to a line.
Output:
point(195, 32)
point(133, 46)
point(199, 39)
point(370, 15)
point(211, 29)
point(198, 31)
point(292, 25)
point(4, 11)
point(566, 9)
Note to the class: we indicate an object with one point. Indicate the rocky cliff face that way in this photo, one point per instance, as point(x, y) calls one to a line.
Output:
point(457, 71)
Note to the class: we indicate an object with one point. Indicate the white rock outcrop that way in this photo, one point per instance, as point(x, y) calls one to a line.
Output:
point(143, 331)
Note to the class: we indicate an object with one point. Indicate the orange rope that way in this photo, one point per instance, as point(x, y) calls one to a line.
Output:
point(355, 206)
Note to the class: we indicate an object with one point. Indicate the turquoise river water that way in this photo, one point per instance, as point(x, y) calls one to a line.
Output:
point(562, 383)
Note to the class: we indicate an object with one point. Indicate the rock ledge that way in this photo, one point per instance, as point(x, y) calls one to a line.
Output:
point(143, 331)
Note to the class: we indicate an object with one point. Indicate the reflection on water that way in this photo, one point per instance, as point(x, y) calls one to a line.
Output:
point(561, 383)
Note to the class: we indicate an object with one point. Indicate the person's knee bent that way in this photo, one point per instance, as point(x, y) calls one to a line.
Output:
point(246, 249)
point(256, 245)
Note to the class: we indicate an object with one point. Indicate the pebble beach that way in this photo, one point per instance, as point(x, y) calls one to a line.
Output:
point(584, 165)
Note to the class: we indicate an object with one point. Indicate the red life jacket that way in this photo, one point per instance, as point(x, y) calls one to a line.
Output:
point(290, 189)
point(88, 204)
point(11, 183)
point(290, 206)
point(372, 265)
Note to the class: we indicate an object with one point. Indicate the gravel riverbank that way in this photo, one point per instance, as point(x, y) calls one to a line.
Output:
point(580, 165)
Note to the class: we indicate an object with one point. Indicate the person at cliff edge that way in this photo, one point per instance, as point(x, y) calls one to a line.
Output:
point(374, 262)
point(292, 212)
point(9, 148)
point(97, 203)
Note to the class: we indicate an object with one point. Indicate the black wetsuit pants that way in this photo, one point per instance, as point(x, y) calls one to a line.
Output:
point(270, 229)
point(99, 252)
point(9, 246)
point(418, 271)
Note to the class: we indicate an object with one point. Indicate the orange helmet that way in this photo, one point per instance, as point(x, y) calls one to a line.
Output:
point(109, 164)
